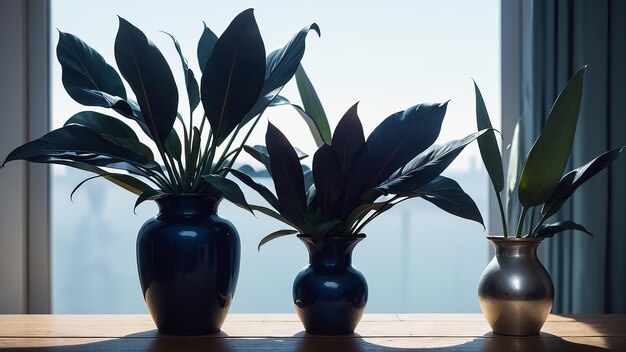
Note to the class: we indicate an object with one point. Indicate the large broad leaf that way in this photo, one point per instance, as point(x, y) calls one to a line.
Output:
point(287, 175)
point(269, 197)
point(274, 235)
point(399, 139)
point(234, 75)
point(574, 179)
point(348, 138)
point(426, 167)
point(328, 180)
point(80, 144)
point(552, 229)
point(280, 66)
point(146, 71)
point(193, 92)
point(205, 47)
point(229, 189)
point(448, 196)
point(549, 155)
point(87, 78)
point(313, 112)
point(103, 124)
point(111, 129)
point(489, 150)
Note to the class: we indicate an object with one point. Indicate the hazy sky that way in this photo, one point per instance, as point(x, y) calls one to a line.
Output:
point(388, 55)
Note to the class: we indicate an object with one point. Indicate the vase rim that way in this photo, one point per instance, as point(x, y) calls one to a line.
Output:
point(514, 239)
point(360, 236)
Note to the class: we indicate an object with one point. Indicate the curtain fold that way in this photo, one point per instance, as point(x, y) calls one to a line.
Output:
point(589, 274)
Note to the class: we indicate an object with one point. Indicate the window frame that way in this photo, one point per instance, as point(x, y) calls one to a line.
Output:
point(29, 270)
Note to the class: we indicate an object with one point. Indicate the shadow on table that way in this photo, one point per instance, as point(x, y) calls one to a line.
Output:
point(153, 341)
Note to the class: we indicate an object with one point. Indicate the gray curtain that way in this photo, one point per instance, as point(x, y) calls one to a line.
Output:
point(589, 274)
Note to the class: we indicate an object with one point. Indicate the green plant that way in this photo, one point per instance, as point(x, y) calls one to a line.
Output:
point(238, 82)
point(354, 180)
point(541, 181)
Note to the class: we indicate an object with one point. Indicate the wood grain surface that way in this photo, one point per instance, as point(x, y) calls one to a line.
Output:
point(284, 332)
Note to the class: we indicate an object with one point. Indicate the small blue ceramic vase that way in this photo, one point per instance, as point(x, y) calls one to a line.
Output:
point(330, 294)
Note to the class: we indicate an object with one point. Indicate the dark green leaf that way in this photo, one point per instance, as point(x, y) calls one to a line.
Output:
point(280, 66)
point(111, 129)
point(146, 71)
point(489, 150)
point(229, 189)
point(127, 182)
point(287, 175)
point(313, 112)
point(103, 124)
point(271, 213)
point(554, 228)
point(259, 188)
point(549, 155)
point(448, 196)
point(317, 230)
point(425, 167)
point(274, 235)
point(193, 92)
point(148, 195)
point(205, 46)
point(279, 100)
point(328, 181)
point(87, 78)
point(259, 153)
point(132, 144)
point(574, 179)
point(399, 139)
point(80, 144)
point(233, 76)
point(361, 211)
point(173, 147)
point(348, 139)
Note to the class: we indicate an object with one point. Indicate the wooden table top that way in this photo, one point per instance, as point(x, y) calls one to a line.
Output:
point(284, 332)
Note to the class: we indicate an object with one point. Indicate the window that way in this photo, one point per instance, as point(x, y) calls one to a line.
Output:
point(386, 57)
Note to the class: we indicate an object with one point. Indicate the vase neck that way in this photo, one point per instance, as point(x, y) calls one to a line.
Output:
point(525, 247)
point(331, 251)
point(188, 205)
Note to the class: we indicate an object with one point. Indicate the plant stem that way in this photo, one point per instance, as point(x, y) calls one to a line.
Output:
point(520, 223)
point(502, 216)
point(532, 220)
point(245, 139)
point(227, 150)
point(177, 175)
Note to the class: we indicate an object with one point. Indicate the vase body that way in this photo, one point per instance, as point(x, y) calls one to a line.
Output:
point(515, 291)
point(330, 294)
point(188, 261)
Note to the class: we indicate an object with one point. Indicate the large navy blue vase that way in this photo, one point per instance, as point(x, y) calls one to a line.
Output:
point(330, 294)
point(188, 261)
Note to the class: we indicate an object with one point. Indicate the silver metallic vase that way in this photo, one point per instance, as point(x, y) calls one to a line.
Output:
point(515, 291)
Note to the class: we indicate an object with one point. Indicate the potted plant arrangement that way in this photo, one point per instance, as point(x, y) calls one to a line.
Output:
point(187, 256)
point(515, 291)
point(352, 182)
